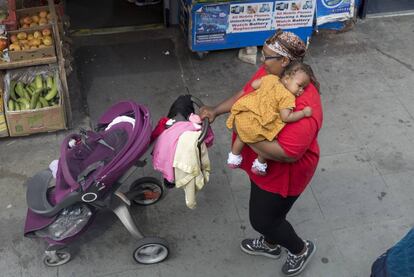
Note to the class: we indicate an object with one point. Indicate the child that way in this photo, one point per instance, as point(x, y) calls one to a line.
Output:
point(263, 113)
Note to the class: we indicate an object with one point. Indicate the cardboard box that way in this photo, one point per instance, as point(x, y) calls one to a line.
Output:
point(23, 123)
point(31, 54)
point(3, 126)
point(26, 122)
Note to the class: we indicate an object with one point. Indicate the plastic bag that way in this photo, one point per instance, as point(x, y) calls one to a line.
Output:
point(69, 222)
point(4, 51)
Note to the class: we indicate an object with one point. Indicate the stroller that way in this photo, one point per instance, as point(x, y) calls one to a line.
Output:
point(92, 167)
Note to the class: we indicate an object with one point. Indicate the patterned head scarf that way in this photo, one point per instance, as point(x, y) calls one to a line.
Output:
point(287, 44)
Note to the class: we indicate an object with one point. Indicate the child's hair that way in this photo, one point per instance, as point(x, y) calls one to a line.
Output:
point(295, 66)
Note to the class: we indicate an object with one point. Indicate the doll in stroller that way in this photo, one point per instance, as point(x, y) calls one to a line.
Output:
point(92, 167)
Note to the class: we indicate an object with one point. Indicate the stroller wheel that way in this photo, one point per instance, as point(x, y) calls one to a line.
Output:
point(151, 250)
point(56, 258)
point(145, 191)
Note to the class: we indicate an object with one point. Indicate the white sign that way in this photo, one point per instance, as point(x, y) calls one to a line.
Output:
point(250, 17)
point(294, 14)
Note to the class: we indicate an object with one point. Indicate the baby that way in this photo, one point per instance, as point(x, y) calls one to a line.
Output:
point(262, 114)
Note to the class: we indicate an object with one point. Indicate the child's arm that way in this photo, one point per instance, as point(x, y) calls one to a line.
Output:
point(288, 116)
point(256, 84)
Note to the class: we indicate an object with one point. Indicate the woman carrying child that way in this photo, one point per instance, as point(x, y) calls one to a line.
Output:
point(291, 158)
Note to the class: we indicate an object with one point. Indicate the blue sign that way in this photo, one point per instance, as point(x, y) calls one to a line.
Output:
point(211, 24)
point(334, 10)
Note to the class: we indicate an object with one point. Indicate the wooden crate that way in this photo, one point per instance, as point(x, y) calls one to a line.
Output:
point(21, 13)
point(32, 54)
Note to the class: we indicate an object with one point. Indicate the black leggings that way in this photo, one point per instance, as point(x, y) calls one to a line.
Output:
point(268, 216)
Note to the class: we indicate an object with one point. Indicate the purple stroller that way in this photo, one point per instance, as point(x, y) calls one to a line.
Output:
point(92, 167)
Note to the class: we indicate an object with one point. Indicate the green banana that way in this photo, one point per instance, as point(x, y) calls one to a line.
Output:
point(12, 92)
point(52, 92)
point(38, 105)
point(35, 98)
point(24, 103)
point(44, 102)
point(32, 85)
point(38, 82)
point(29, 89)
point(11, 105)
point(19, 89)
point(17, 106)
point(49, 82)
point(27, 94)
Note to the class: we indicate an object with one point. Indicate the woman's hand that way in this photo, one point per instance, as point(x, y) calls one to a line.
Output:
point(208, 112)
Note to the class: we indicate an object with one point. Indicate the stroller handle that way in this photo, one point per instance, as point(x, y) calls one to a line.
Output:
point(205, 124)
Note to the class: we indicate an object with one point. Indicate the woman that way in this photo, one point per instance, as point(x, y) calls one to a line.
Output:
point(293, 158)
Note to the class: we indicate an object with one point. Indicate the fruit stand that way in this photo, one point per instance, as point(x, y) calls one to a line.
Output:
point(33, 86)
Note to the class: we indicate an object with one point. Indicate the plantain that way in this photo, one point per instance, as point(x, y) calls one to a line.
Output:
point(49, 82)
point(32, 85)
point(19, 89)
point(27, 94)
point(38, 105)
point(29, 89)
point(35, 98)
point(17, 106)
point(24, 103)
point(38, 82)
point(11, 105)
point(44, 102)
point(52, 92)
point(12, 91)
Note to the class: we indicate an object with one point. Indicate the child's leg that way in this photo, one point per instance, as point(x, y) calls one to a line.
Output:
point(259, 166)
point(234, 160)
point(261, 159)
point(237, 146)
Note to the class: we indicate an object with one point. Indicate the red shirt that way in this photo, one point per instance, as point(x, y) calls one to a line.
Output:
point(298, 140)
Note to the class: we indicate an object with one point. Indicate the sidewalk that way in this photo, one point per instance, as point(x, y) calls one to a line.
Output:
point(360, 201)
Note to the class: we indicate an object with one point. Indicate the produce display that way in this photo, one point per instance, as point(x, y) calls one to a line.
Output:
point(41, 93)
point(33, 95)
point(31, 40)
point(3, 13)
point(41, 18)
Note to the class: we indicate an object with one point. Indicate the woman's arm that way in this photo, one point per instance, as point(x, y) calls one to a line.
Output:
point(271, 150)
point(224, 107)
point(292, 142)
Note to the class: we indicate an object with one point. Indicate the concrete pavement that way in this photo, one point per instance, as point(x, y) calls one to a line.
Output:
point(359, 203)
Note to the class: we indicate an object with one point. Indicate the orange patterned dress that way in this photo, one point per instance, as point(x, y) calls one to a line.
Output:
point(256, 116)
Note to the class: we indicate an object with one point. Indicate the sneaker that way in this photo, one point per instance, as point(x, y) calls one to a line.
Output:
point(141, 3)
point(295, 264)
point(234, 161)
point(259, 168)
point(260, 247)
